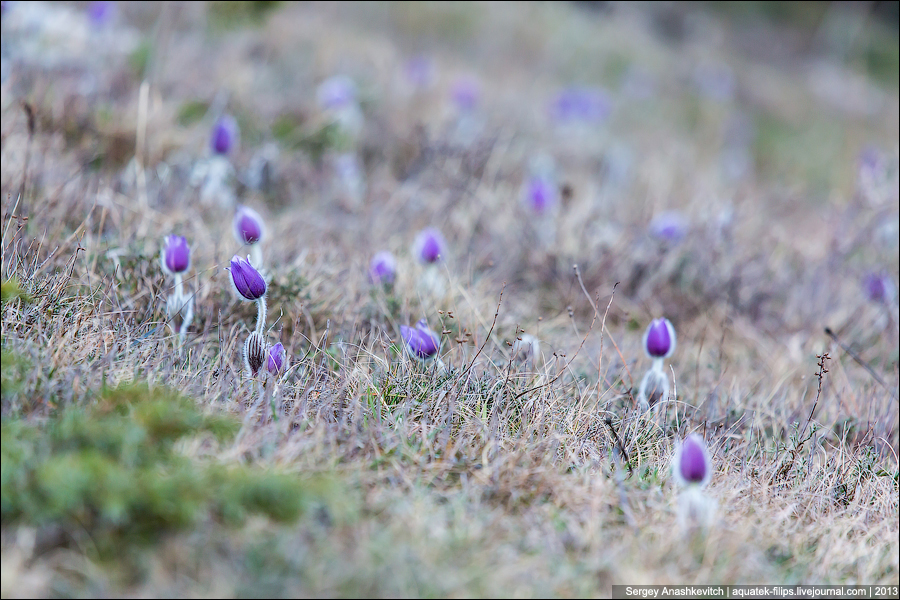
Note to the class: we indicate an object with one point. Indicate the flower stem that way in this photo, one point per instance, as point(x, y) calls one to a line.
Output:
point(261, 315)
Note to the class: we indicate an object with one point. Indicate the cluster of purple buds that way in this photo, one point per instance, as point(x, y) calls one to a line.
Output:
point(429, 246)
point(176, 260)
point(383, 268)
point(224, 135)
point(659, 344)
point(692, 469)
point(249, 229)
point(420, 341)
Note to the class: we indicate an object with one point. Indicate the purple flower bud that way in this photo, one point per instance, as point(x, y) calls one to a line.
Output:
point(419, 72)
point(430, 245)
point(659, 339)
point(465, 94)
point(692, 463)
point(276, 359)
point(580, 104)
point(879, 288)
point(101, 13)
point(336, 92)
point(421, 342)
point(246, 280)
point(224, 135)
point(248, 226)
point(669, 226)
point(541, 194)
point(255, 353)
point(176, 255)
point(383, 268)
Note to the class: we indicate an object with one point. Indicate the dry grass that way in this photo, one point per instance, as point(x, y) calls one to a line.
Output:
point(499, 476)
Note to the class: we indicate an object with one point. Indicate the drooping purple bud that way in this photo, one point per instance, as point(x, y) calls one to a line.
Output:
point(275, 362)
point(430, 245)
point(669, 226)
point(224, 135)
point(383, 268)
point(248, 226)
point(465, 94)
point(540, 194)
point(879, 288)
point(659, 339)
point(336, 92)
point(580, 104)
point(176, 255)
point(421, 341)
point(247, 281)
point(692, 465)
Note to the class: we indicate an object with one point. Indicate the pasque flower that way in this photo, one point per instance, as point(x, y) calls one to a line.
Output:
point(176, 255)
point(421, 342)
point(275, 362)
point(224, 135)
point(429, 246)
point(659, 339)
point(175, 258)
point(247, 281)
point(659, 344)
point(692, 464)
point(383, 268)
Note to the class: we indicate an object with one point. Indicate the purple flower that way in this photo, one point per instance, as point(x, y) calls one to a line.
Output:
point(659, 339)
point(224, 135)
point(879, 288)
point(669, 226)
point(692, 463)
point(580, 104)
point(336, 92)
point(421, 342)
point(176, 255)
point(101, 13)
point(465, 94)
point(246, 280)
point(540, 195)
point(255, 353)
point(419, 72)
point(248, 226)
point(430, 245)
point(275, 363)
point(383, 268)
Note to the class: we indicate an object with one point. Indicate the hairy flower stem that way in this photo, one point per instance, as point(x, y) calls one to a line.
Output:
point(261, 315)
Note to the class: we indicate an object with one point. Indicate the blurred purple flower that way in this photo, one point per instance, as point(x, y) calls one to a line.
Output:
point(383, 268)
point(669, 226)
point(176, 255)
point(248, 227)
point(540, 194)
point(580, 104)
point(879, 288)
point(275, 362)
point(430, 245)
point(101, 14)
point(336, 92)
point(224, 135)
point(692, 465)
point(465, 93)
point(247, 281)
point(659, 339)
point(421, 341)
point(419, 72)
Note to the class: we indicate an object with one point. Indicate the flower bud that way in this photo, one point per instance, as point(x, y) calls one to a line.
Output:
point(336, 93)
point(669, 226)
point(224, 135)
point(421, 341)
point(275, 363)
point(255, 353)
point(580, 104)
point(659, 339)
point(247, 281)
point(692, 465)
point(465, 94)
point(248, 226)
point(429, 246)
point(176, 255)
point(383, 268)
point(878, 288)
point(540, 194)
point(654, 388)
